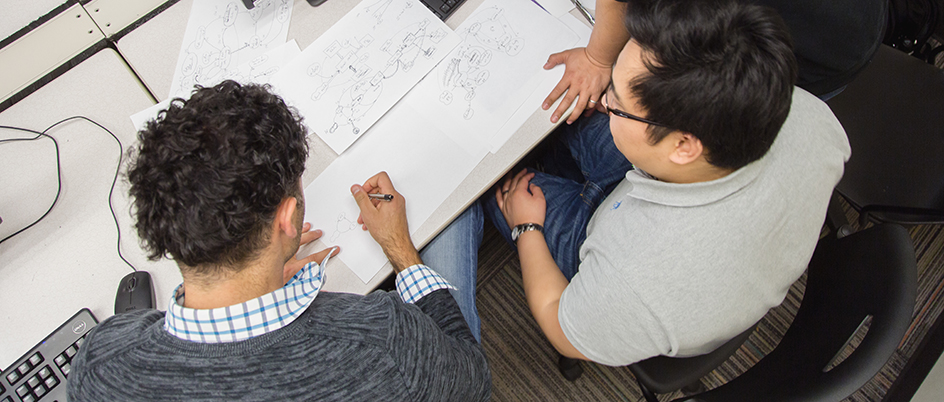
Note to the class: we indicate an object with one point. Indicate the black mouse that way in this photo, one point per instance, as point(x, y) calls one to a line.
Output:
point(135, 292)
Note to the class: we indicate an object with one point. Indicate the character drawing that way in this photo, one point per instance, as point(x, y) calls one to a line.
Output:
point(346, 74)
point(343, 226)
point(466, 69)
point(218, 46)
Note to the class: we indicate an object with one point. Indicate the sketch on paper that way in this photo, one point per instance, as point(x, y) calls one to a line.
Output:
point(345, 75)
point(488, 77)
point(223, 34)
point(343, 226)
point(351, 75)
point(261, 69)
point(467, 68)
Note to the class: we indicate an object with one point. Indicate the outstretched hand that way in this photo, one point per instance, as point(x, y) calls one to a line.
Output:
point(584, 80)
point(295, 264)
point(386, 220)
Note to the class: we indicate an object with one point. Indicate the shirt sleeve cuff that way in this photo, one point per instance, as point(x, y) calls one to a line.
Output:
point(417, 281)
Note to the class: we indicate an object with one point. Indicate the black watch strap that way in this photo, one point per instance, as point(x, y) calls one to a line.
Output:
point(525, 227)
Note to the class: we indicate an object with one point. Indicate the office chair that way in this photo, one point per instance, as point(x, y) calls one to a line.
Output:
point(662, 375)
point(893, 113)
point(868, 274)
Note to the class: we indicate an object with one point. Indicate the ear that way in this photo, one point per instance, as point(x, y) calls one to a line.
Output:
point(284, 221)
point(687, 148)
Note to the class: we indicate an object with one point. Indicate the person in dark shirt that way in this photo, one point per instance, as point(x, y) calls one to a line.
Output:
point(216, 186)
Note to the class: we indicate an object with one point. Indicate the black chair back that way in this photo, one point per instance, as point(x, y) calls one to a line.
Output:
point(868, 274)
point(893, 113)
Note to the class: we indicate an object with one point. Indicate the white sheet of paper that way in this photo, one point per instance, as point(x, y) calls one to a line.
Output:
point(423, 164)
point(222, 35)
point(490, 75)
point(551, 78)
point(259, 70)
point(557, 8)
point(352, 74)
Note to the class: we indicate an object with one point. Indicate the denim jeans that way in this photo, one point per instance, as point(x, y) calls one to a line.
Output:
point(580, 169)
point(454, 254)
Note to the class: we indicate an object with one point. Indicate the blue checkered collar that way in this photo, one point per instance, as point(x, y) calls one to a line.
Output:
point(251, 318)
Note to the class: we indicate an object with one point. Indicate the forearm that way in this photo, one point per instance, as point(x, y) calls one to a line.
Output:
point(609, 34)
point(543, 286)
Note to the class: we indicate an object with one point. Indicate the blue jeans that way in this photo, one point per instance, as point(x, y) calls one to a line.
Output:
point(454, 254)
point(581, 168)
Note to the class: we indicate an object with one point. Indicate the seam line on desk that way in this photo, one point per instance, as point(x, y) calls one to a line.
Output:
point(37, 23)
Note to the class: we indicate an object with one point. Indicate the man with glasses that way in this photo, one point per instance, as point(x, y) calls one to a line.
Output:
point(676, 219)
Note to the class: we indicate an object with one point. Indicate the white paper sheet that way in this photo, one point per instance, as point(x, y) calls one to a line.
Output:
point(423, 164)
point(222, 35)
point(557, 8)
point(551, 78)
point(490, 75)
point(353, 73)
point(259, 70)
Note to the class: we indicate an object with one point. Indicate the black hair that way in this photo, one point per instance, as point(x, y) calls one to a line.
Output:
point(209, 173)
point(718, 69)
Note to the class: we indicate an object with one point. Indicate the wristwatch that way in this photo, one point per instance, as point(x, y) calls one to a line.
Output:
point(525, 227)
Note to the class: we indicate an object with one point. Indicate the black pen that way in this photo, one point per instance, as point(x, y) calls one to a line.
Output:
point(382, 197)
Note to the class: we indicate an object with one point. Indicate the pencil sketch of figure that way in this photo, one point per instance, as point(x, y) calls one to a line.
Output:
point(343, 65)
point(466, 69)
point(218, 47)
point(346, 74)
point(355, 101)
point(378, 10)
point(344, 225)
point(493, 30)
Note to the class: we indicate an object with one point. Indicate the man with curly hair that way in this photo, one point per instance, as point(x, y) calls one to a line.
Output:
point(216, 186)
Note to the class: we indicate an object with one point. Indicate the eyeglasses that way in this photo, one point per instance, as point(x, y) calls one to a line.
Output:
point(625, 115)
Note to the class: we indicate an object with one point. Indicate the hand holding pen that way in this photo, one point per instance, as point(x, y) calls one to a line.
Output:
point(383, 214)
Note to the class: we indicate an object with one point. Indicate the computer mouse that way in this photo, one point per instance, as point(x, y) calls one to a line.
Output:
point(135, 292)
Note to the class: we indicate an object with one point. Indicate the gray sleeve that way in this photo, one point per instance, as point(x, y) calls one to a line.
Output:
point(439, 358)
point(610, 324)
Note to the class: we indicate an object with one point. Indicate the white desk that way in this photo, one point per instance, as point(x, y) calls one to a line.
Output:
point(69, 260)
point(152, 51)
point(19, 15)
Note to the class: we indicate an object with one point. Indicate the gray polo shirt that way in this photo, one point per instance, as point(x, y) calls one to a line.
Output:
point(678, 269)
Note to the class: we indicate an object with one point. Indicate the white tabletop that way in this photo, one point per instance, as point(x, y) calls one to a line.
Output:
point(69, 260)
point(152, 51)
point(16, 16)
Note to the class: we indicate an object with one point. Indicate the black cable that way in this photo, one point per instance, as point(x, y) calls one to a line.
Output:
point(111, 191)
point(58, 172)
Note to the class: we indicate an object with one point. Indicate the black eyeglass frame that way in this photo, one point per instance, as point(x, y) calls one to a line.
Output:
point(625, 115)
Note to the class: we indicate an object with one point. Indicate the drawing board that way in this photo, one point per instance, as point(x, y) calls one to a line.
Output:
point(352, 74)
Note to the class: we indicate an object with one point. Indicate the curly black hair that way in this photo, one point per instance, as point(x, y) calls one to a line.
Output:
point(209, 173)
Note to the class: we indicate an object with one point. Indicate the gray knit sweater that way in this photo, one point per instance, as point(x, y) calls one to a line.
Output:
point(343, 348)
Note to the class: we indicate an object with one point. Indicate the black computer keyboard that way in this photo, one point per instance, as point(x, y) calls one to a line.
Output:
point(40, 375)
point(443, 8)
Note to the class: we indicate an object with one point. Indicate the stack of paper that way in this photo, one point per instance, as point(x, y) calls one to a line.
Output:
point(367, 73)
